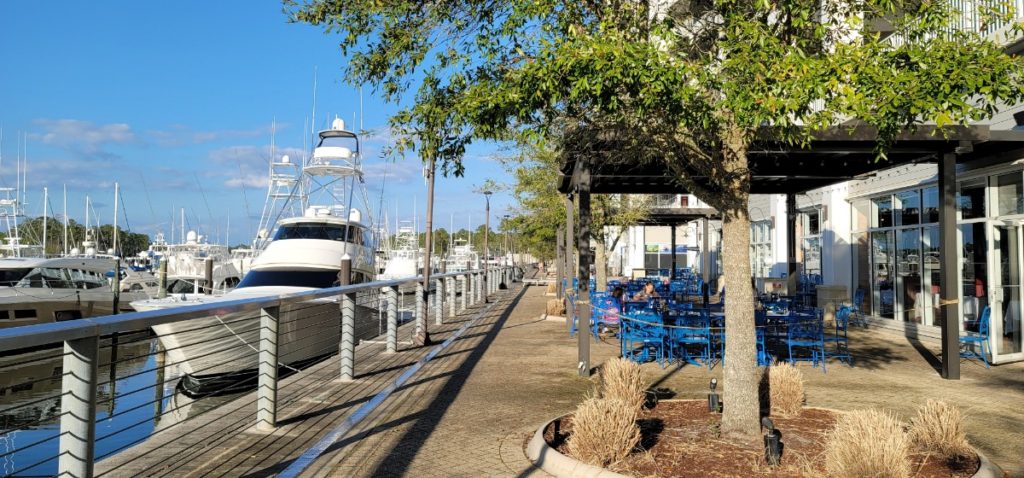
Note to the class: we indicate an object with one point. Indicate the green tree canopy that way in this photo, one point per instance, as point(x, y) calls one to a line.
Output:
point(687, 83)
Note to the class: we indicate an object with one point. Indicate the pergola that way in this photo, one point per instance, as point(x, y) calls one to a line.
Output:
point(833, 156)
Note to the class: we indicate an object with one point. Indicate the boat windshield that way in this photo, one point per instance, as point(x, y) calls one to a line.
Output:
point(319, 230)
point(316, 279)
point(9, 277)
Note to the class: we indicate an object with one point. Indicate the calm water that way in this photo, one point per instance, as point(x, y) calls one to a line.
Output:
point(140, 400)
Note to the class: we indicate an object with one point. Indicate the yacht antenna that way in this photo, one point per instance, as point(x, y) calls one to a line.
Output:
point(117, 193)
point(24, 173)
point(152, 212)
point(182, 231)
point(46, 219)
point(65, 219)
point(312, 129)
point(17, 195)
point(360, 108)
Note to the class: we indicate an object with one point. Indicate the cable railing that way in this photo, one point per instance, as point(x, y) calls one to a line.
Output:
point(76, 391)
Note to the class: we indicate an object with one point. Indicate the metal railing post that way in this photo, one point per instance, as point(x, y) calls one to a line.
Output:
point(348, 336)
point(450, 285)
point(78, 407)
point(463, 279)
point(421, 309)
point(266, 402)
point(476, 287)
point(439, 303)
point(392, 297)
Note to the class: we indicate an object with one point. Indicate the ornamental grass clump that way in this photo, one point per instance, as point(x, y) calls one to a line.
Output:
point(783, 387)
point(623, 380)
point(939, 428)
point(867, 443)
point(604, 431)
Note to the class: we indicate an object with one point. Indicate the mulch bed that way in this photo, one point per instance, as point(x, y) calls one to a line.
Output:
point(681, 439)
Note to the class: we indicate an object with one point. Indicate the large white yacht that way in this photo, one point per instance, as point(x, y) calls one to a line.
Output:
point(36, 290)
point(219, 353)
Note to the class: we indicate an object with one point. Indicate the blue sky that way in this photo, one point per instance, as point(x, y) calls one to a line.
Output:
point(175, 102)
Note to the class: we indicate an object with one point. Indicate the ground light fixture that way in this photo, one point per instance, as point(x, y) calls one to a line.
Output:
point(714, 402)
point(772, 445)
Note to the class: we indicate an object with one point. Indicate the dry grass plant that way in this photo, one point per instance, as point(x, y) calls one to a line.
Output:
point(785, 389)
point(552, 288)
point(867, 443)
point(556, 307)
point(623, 380)
point(939, 428)
point(604, 431)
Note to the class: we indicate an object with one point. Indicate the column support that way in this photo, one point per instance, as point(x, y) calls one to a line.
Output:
point(948, 270)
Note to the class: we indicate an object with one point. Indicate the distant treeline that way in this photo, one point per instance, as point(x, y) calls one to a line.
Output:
point(31, 232)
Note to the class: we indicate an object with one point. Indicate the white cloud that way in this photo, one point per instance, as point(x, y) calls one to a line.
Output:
point(180, 135)
point(83, 137)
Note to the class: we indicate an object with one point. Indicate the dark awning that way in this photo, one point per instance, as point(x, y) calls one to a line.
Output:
point(833, 156)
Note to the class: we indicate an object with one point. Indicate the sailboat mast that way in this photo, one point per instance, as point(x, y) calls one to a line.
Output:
point(46, 218)
point(117, 193)
point(65, 219)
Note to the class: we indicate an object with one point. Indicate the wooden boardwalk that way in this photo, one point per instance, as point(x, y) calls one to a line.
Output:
point(224, 441)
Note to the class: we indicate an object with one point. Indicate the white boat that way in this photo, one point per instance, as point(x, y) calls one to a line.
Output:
point(186, 263)
point(405, 257)
point(36, 290)
point(462, 257)
point(219, 353)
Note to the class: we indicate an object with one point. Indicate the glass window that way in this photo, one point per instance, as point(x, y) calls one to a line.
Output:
point(930, 211)
point(9, 277)
point(1009, 192)
point(882, 293)
point(971, 200)
point(883, 211)
point(909, 208)
point(908, 274)
point(811, 223)
point(930, 288)
point(308, 278)
point(973, 282)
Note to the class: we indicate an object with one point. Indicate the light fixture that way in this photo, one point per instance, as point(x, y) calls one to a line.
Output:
point(714, 403)
point(772, 446)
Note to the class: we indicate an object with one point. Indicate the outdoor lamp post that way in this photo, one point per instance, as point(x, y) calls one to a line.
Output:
point(714, 403)
point(772, 447)
point(487, 229)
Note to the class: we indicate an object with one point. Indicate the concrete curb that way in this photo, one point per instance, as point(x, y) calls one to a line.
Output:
point(559, 465)
point(987, 469)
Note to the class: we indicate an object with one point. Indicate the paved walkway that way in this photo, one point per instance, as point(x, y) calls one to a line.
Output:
point(470, 411)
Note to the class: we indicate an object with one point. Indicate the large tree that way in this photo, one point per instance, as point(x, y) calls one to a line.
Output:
point(541, 211)
point(688, 83)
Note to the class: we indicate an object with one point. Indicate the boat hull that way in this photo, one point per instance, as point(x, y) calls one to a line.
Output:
point(220, 354)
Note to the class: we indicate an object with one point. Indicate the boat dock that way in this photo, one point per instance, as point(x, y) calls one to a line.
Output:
point(411, 430)
point(469, 410)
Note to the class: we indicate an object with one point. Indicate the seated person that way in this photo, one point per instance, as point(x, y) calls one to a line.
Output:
point(647, 293)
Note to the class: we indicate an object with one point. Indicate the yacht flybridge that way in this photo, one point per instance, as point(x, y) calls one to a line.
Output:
point(315, 226)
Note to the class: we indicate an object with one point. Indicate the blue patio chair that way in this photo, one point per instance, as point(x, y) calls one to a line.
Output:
point(838, 337)
point(604, 314)
point(692, 333)
point(642, 337)
point(856, 315)
point(979, 338)
point(764, 358)
point(806, 332)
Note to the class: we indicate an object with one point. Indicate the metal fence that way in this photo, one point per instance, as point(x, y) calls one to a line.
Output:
point(84, 375)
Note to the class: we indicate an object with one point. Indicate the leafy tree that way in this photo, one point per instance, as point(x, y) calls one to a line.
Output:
point(690, 84)
point(542, 211)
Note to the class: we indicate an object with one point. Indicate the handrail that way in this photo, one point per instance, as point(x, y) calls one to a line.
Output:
point(81, 343)
point(42, 334)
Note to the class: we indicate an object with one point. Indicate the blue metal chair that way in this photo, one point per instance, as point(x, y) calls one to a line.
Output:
point(642, 335)
point(979, 338)
point(605, 313)
point(692, 332)
point(764, 358)
point(856, 315)
point(838, 336)
point(806, 332)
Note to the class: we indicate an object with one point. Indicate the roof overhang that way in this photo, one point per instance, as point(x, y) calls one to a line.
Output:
point(833, 156)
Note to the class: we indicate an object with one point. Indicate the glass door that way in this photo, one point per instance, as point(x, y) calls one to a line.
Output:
point(882, 293)
point(908, 275)
point(1005, 325)
point(974, 280)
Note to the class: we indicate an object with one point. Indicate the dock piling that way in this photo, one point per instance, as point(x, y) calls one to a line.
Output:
point(266, 401)
point(78, 408)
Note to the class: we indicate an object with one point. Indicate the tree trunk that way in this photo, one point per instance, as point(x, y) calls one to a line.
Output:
point(741, 408)
point(601, 264)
